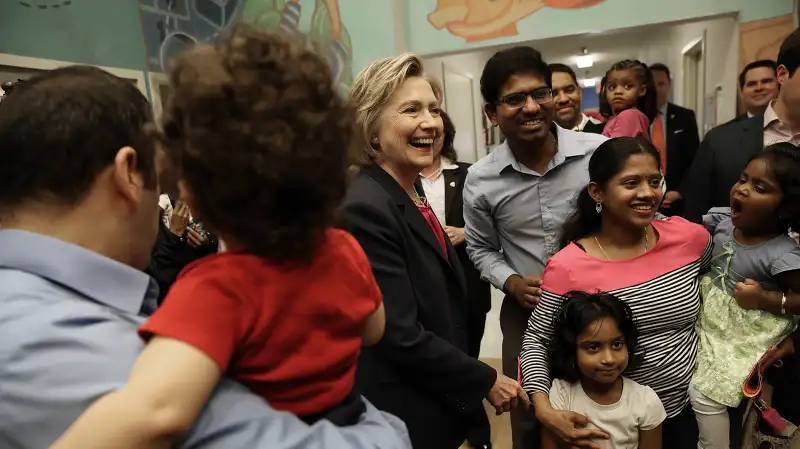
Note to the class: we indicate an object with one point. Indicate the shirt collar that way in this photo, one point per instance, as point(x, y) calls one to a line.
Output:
point(770, 115)
point(663, 109)
point(583, 122)
point(97, 277)
point(570, 144)
point(447, 164)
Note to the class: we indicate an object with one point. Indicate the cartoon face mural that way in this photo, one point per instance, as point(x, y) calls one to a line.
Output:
point(172, 26)
point(481, 20)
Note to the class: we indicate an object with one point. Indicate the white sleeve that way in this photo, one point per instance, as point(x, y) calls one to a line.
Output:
point(651, 412)
point(559, 395)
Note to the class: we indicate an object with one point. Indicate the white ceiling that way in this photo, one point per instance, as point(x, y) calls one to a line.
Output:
point(606, 48)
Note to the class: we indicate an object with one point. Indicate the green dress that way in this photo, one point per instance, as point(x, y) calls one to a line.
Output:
point(732, 339)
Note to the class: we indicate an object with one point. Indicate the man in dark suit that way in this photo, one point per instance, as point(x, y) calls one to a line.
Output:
point(758, 86)
point(674, 130)
point(568, 96)
point(726, 149)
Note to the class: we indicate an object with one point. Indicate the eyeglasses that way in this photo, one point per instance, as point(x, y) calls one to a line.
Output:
point(517, 100)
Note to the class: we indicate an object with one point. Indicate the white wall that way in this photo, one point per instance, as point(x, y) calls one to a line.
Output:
point(470, 65)
point(721, 60)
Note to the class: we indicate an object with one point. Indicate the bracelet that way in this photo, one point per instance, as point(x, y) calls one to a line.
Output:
point(783, 304)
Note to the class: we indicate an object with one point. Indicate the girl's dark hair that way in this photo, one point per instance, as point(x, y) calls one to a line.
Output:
point(579, 310)
point(608, 159)
point(783, 160)
point(648, 103)
point(448, 150)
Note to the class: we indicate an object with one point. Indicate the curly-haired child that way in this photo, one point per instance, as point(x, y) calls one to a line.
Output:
point(259, 136)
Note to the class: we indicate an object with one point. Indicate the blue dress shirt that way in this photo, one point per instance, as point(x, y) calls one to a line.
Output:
point(68, 320)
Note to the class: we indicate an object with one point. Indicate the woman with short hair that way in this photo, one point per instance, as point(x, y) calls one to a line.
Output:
point(420, 371)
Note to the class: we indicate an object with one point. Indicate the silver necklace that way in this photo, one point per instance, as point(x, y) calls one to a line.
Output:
point(646, 244)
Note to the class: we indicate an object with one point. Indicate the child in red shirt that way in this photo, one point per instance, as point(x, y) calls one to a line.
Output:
point(259, 136)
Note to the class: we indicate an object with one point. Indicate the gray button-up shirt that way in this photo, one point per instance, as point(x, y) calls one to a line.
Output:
point(68, 320)
point(514, 215)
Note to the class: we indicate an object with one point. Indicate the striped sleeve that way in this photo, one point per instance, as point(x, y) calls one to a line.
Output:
point(534, 360)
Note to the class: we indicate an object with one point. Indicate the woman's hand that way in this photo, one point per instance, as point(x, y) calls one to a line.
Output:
point(784, 349)
point(506, 394)
point(180, 219)
point(456, 235)
point(196, 239)
point(569, 427)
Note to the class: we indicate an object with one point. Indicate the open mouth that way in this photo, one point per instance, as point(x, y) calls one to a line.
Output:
point(643, 209)
point(421, 144)
point(533, 123)
point(736, 208)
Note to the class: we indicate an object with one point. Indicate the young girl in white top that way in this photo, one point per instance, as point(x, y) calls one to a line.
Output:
point(594, 343)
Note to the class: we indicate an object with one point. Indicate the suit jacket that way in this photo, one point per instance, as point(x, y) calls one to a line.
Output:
point(420, 370)
point(723, 155)
point(683, 139)
point(594, 128)
point(479, 291)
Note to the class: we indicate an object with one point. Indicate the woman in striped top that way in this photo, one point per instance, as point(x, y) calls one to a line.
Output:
point(612, 243)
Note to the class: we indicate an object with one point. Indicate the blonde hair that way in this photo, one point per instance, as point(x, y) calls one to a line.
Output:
point(371, 90)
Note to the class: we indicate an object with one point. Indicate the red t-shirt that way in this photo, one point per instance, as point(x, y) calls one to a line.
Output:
point(291, 336)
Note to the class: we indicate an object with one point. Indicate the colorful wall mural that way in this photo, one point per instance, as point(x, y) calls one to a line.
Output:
point(318, 23)
point(171, 26)
point(444, 26)
point(481, 20)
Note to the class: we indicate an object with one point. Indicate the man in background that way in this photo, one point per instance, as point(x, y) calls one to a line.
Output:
point(674, 133)
point(758, 85)
point(568, 97)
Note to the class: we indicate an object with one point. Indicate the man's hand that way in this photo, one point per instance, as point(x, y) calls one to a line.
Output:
point(670, 198)
point(526, 290)
point(749, 295)
point(456, 235)
point(180, 219)
point(506, 394)
point(569, 428)
point(196, 239)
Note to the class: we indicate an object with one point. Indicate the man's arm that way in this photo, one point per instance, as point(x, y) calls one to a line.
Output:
point(56, 362)
point(483, 243)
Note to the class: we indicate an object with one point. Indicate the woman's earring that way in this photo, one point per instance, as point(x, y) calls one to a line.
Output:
point(598, 207)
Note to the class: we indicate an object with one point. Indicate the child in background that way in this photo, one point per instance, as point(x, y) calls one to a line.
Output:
point(629, 100)
point(739, 322)
point(260, 137)
point(594, 343)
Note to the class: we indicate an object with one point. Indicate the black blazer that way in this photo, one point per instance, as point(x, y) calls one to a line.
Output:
point(480, 294)
point(419, 371)
point(723, 155)
point(683, 139)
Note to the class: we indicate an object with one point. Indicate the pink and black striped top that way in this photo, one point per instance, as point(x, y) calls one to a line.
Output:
point(661, 287)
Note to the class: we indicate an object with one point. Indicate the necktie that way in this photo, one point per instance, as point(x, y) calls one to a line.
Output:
point(659, 142)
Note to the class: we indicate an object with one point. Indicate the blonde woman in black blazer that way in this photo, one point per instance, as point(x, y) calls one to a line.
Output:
point(420, 371)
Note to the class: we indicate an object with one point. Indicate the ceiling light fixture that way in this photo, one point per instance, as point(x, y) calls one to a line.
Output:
point(589, 82)
point(585, 60)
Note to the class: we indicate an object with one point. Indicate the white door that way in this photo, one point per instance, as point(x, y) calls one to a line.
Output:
point(458, 92)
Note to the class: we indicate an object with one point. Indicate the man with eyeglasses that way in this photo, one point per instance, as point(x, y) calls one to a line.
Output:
point(517, 198)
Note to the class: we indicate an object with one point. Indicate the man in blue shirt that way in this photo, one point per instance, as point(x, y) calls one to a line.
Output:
point(79, 214)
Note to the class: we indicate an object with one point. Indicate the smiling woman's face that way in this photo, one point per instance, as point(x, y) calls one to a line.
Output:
point(631, 198)
point(410, 127)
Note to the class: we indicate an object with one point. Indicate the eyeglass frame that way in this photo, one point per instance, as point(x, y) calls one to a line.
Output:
point(503, 100)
